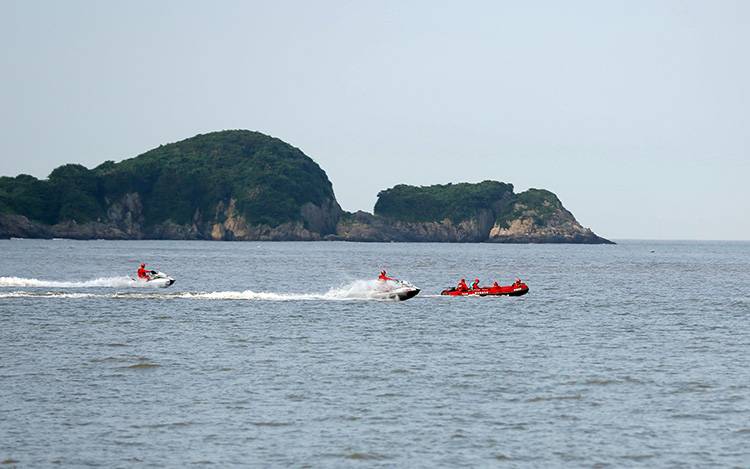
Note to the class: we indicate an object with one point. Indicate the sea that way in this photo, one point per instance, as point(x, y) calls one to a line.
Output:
point(276, 355)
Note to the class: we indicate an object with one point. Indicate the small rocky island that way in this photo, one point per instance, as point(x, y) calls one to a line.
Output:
point(243, 185)
point(485, 212)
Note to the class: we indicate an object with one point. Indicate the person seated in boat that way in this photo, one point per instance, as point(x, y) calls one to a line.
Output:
point(495, 284)
point(143, 273)
point(383, 277)
point(517, 283)
point(475, 285)
point(462, 285)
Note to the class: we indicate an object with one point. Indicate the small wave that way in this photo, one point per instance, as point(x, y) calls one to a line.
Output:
point(365, 456)
point(25, 294)
point(177, 424)
point(638, 457)
point(144, 365)
point(271, 424)
point(113, 282)
point(555, 398)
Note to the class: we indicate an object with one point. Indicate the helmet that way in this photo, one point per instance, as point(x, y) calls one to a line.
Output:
point(143, 264)
point(476, 279)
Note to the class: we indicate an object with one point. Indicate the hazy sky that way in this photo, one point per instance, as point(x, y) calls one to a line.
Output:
point(635, 113)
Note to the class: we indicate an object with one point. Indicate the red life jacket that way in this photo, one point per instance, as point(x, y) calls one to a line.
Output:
point(142, 273)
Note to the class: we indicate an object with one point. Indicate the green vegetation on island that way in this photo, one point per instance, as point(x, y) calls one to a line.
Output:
point(269, 179)
point(455, 202)
point(538, 204)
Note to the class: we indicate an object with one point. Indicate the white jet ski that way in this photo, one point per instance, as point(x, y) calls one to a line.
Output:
point(399, 290)
point(156, 279)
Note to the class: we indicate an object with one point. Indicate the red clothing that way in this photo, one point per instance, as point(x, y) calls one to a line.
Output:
point(462, 286)
point(142, 273)
point(383, 277)
point(475, 285)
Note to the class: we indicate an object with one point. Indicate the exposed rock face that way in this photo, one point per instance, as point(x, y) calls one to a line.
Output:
point(171, 230)
point(18, 226)
point(127, 214)
point(126, 222)
point(317, 222)
point(538, 216)
point(534, 216)
point(321, 219)
point(362, 226)
point(526, 230)
point(545, 222)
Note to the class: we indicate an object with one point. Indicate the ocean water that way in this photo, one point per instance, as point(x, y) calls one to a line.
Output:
point(273, 354)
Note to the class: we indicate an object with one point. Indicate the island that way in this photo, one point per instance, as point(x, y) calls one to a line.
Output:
point(244, 185)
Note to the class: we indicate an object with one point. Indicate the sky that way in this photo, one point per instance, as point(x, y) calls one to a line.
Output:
point(635, 113)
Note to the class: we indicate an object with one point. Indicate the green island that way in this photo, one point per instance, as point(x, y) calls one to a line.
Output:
point(244, 185)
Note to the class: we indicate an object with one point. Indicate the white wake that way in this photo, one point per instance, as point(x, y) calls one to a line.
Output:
point(357, 290)
point(112, 282)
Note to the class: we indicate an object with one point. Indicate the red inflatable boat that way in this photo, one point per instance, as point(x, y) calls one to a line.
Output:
point(517, 289)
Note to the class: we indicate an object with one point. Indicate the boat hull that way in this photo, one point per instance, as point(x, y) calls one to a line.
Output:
point(399, 294)
point(410, 293)
point(161, 282)
point(157, 280)
point(508, 290)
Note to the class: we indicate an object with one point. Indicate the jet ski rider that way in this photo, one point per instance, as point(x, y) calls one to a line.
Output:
point(383, 277)
point(143, 273)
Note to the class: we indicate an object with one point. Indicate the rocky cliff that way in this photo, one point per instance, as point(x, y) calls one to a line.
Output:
point(538, 216)
point(484, 212)
point(362, 226)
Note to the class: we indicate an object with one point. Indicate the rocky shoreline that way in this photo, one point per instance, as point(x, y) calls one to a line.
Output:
point(354, 227)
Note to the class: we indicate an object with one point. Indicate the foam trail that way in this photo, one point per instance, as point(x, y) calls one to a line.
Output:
point(25, 294)
point(247, 295)
point(113, 282)
point(357, 290)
